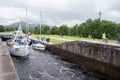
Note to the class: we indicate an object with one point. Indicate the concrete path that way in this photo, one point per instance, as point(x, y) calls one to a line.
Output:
point(62, 39)
point(7, 69)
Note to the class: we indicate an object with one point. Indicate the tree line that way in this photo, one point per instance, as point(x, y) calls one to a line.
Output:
point(93, 28)
point(90, 28)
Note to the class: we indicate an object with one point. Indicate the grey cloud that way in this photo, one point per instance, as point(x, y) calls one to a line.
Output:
point(58, 11)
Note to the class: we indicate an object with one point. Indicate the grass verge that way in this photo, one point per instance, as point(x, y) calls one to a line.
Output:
point(60, 39)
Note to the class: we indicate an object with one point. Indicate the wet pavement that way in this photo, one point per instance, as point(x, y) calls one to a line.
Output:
point(42, 65)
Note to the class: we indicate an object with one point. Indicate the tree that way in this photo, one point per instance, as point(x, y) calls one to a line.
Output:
point(9, 29)
point(109, 28)
point(32, 30)
point(80, 30)
point(37, 30)
point(95, 28)
point(73, 30)
point(54, 30)
point(2, 28)
point(63, 30)
point(117, 29)
point(45, 29)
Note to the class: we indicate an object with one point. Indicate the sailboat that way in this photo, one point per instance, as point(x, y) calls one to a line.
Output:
point(37, 43)
point(19, 45)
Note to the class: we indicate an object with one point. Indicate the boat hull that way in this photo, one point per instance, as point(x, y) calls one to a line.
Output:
point(21, 51)
point(38, 47)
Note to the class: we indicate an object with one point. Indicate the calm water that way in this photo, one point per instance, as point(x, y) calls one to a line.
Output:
point(45, 66)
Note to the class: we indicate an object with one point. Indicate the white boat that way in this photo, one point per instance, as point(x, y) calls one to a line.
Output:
point(37, 43)
point(38, 46)
point(19, 46)
point(19, 50)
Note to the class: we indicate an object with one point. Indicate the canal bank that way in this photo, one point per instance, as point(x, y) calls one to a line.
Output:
point(7, 69)
point(100, 57)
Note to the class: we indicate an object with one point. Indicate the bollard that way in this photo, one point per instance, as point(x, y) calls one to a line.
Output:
point(47, 39)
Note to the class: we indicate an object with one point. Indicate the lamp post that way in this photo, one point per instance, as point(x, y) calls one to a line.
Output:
point(40, 24)
point(100, 16)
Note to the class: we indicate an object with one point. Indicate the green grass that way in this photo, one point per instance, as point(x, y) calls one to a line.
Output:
point(56, 41)
point(53, 40)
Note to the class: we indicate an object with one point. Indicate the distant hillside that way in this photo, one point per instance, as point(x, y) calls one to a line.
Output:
point(23, 24)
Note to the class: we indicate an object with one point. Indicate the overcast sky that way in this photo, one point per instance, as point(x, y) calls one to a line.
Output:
point(58, 12)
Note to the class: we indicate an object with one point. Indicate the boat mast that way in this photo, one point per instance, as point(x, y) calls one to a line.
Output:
point(18, 31)
point(26, 22)
point(40, 22)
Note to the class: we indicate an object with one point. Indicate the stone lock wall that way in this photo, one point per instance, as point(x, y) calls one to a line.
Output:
point(101, 57)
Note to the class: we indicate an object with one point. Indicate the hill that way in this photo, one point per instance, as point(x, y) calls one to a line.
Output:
point(23, 25)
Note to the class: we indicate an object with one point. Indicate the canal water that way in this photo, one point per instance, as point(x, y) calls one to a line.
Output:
point(42, 65)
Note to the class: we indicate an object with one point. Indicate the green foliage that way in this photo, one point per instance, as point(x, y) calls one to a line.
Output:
point(37, 30)
point(9, 29)
point(73, 30)
point(63, 30)
point(31, 30)
point(45, 29)
point(95, 28)
point(2, 28)
point(90, 28)
point(54, 30)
